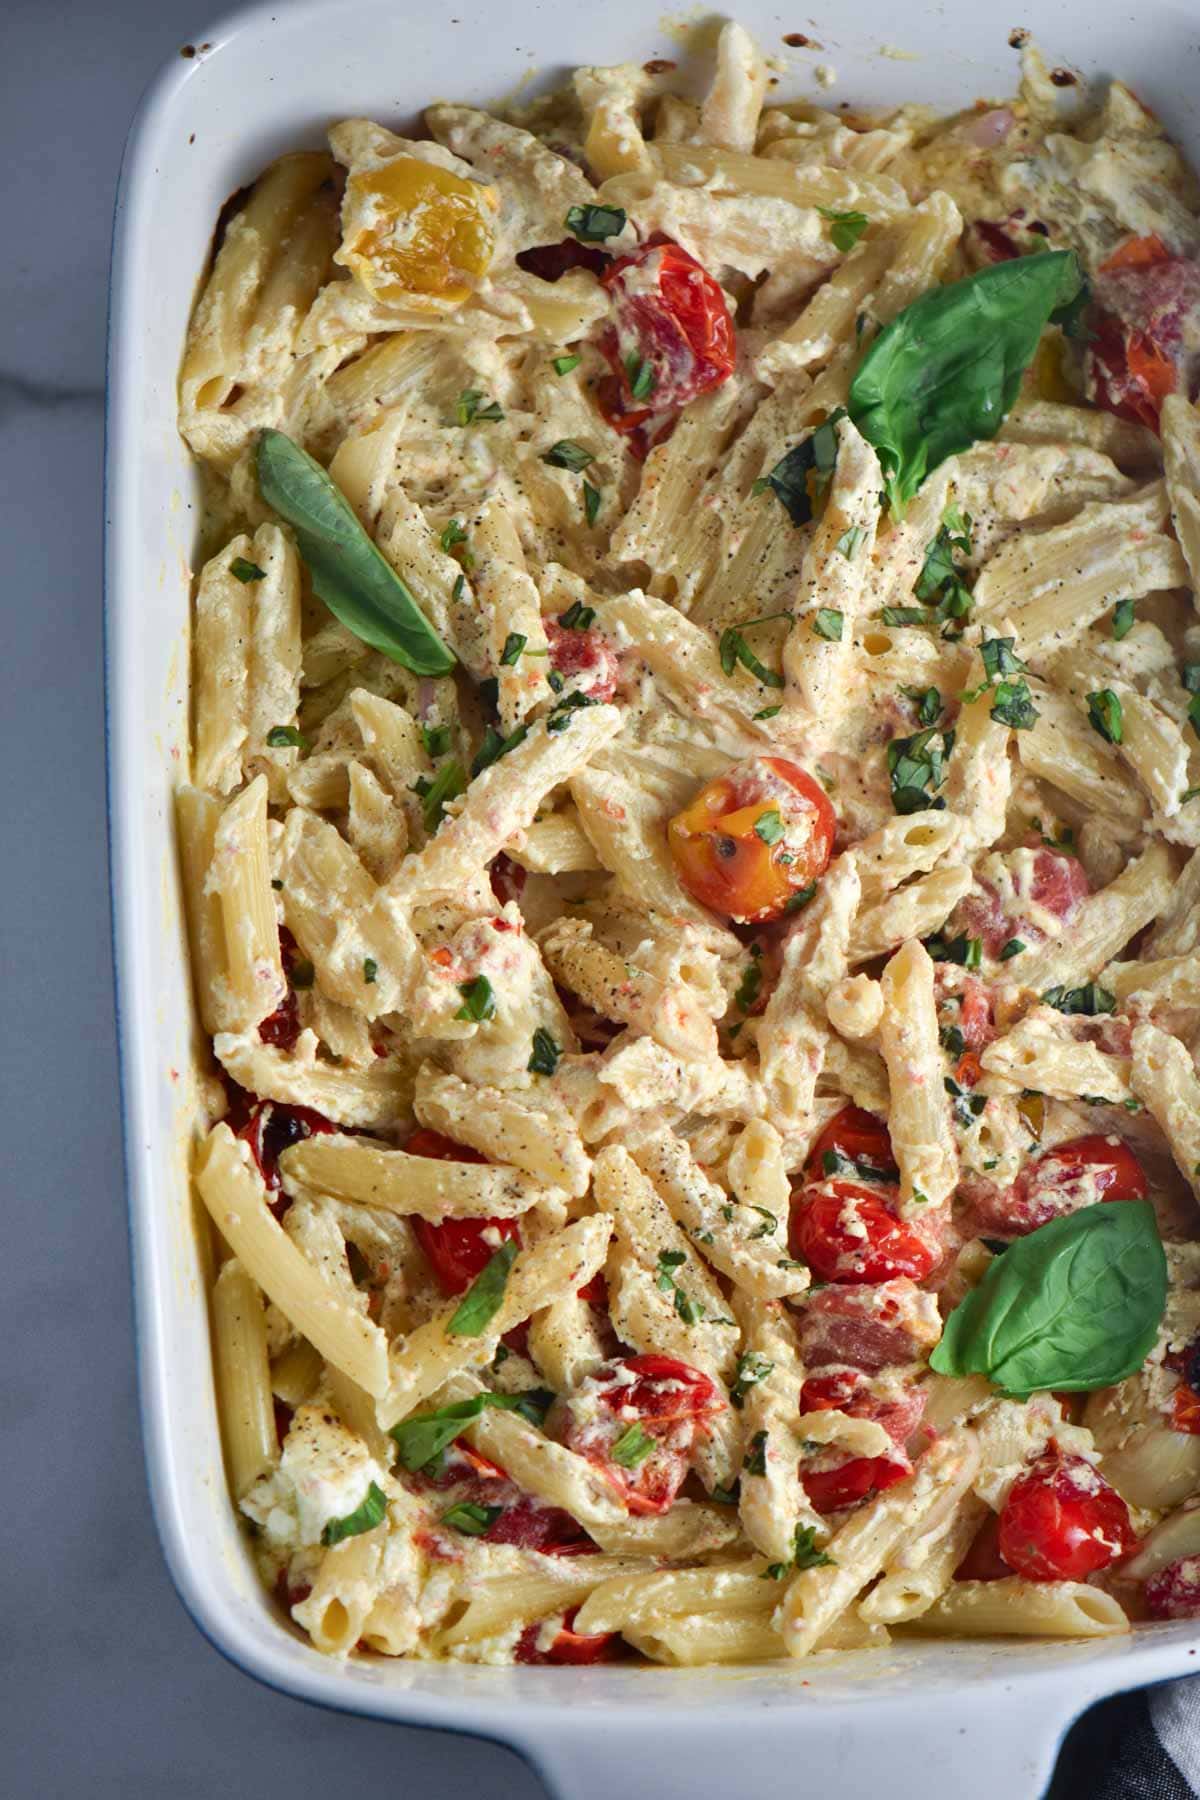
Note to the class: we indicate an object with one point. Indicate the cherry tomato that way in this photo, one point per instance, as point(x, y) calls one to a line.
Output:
point(569, 1646)
point(1061, 1180)
point(667, 1401)
point(1062, 1521)
point(1058, 884)
point(417, 229)
point(507, 878)
point(847, 1232)
point(868, 1328)
point(849, 1391)
point(1138, 329)
point(753, 838)
point(583, 659)
point(672, 337)
point(831, 1489)
point(975, 1014)
point(270, 1128)
point(860, 1138)
point(1136, 253)
point(983, 1561)
point(456, 1250)
point(1174, 1593)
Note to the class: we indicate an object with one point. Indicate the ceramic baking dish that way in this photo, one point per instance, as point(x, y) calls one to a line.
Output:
point(987, 1717)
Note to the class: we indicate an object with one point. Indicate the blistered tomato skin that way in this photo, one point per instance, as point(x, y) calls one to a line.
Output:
point(668, 1401)
point(1058, 884)
point(584, 660)
point(1174, 1592)
point(847, 1232)
point(830, 1490)
point(753, 838)
point(568, 1645)
point(416, 229)
point(1062, 1521)
point(859, 1137)
point(1079, 1173)
point(672, 337)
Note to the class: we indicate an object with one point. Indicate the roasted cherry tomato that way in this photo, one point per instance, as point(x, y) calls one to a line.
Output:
point(1062, 1521)
point(282, 1027)
point(983, 1561)
point(753, 838)
point(1057, 884)
point(583, 659)
point(270, 1128)
point(672, 337)
point(568, 1645)
point(868, 1328)
point(457, 1250)
point(849, 1391)
point(854, 1136)
point(413, 228)
point(1060, 1181)
point(847, 1232)
point(1140, 326)
point(830, 1490)
point(638, 1418)
point(1174, 1593)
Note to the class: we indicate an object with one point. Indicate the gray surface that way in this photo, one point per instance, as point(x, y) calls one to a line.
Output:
point(106, 1687)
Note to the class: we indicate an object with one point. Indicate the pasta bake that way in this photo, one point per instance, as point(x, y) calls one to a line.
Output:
point(692, 855)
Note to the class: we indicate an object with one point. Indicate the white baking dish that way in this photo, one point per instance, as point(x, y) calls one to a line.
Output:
point(260, 82)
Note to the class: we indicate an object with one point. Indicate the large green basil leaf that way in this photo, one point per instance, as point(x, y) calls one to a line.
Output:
point(945, 372)
point(356, 582)
point(1075, 1305)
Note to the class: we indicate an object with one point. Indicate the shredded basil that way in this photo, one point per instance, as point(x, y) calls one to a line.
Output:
point(245, 570)
point(473, 408)
point(965, 950)
point(1106, 715)
point(751, 1369)
point(803, 473)
point(543, 1059)
point(917, 767)
point(1123, 618)
point(282, 737)
point(436, 739)
point(755, 1460)
point(370, 970)
point(485, 1296)
point(769, 827)
point(479, 1002)
point(1088, 1002)
point(449, 782)
point(632, 1447)
point(848, 227)
point(494, 747)
point(566, 454)
point(514, 643)
point(564, 364)
point(577, 617)
point(365, 1517)
point(1013, 948)
point(592, 224)
point(471, 1519)
point(592, 498)
point(642, 379)
point(423, 1436)
point(827, 623)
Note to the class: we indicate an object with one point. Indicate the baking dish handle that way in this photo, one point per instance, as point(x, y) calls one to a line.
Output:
point(991, 1745)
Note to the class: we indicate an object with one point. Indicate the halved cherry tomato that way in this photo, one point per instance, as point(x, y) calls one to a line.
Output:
point(456, 1249)
point(1135, 253)
point(1062, 1521)
point(1139, 329)
point(507, 878)
point(847, 1232)
point(849, 1391)
point(1174, 1592)
point(667, 1400)
point(417, 229)
point(569, 1646)
point(1072, 1175)
point(983, 1561)
point(831, 1489)
point(868, 1328)
point(753, 838)
point(860, 1138)
point(1058, 884)
point(583, 659)
point(270, 1128)
point(672, 337)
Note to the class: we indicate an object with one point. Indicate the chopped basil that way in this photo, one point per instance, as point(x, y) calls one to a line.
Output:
point(1012, 704)
point(1105, 715)
point(803, 473)
point(452, 536)
point(800, 898)
point(543, 1059)
point(632, 1447)
point(849, 541)
point(564, 364)
point(370, 970)
point(965, 950)
point(514, 643)
point(1189, 674)
point(246, 571)
point(904, 615)
point(592, 224)
point(827, 623)
point(460, 582)
point(577, 617)
point(447, 784)
point(858, 1168)
point(494, 747)
point(725, 1496)
point(770, 826)
point(473, 409)
point(999, 659)
point(751, 1369)
point(559, 717)
point(767, 712)
point(689, 1310)
point(1194, 714)
point(749, 986)
point(940, 583)
point(479, 1003)
point(848, 227)
point(1123, 618)
point(1088, 1001)
point(805, 1553)
point(927, 701)
point(281, 737)
point(950, 1037)
point(917, 767)
point(733, 649)
point(755, 1460)
point(423, 1436)
point(302, 975)
point(365, 1517)
point(1013, 948)
point(1188, 794)
point(436, 739)
point(642, 379)
point(469, 1518)
point(566, 454)
point(483, 1299)
point(592, 498)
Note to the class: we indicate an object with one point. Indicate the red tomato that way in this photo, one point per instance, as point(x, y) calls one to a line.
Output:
point(672, 337)
point(282, 1028)
point(867, 1328)
point(831, 1489)
point(270, 1129)
point(1059, 883)
point(1136, 253)
point(1174, 1593)
point(1079, 1173)
point(569, 1646)
point(858, 1136)
point(1062, 1521)
point(983, 1561)
point(975, 1014)
point(827, 1227)
point(583, 659)
point(507, 878)
point(456, 1250)
point(753, 838)
point(671, 1402)
point(849, 1391)
point(1145, 309)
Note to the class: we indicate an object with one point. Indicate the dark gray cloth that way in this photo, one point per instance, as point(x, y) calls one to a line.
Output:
point(1136, 1746)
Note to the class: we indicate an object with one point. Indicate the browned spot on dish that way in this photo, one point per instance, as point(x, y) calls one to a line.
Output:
point(188, 50)
point(1018, 37)
point(1063, 78)
point(798, 41)
point(659, 66)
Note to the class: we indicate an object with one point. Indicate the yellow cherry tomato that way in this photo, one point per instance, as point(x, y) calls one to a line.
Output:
point(417, 229)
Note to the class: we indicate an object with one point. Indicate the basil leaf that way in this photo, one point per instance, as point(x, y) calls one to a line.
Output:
point(965, 950)
point(1012, 704)
point(1086, 1002)
point(447, 784)
point(748, 987)
point(479, 1002)
point(543, 1059)
point(469, 1518)
point(592, 498)
point(370, 970)
point(827, 623)
point(437, 739)
point(1123, 618)
point(348, 572)
point(1106, 715)
point(577, 617)
point(770, 826)
point(494, 747)
point(472, 409)
point(423, 1436)
point(642, 379)
point(1074, 1306)
point(928, 702)
point(592, 224)
point(372, 1512)
point(803, 473)
point(755, 1460)
point(564, 364)
point(751, 1369)
point(484, 1297)
point(805, 1553)
point(514, 643)
point(246, 571)
point(1013, 948)
point(999, 659)
point(632, 1447)
point(566, 454)
point(280, 737)
point(848, 227)
point(945, 372)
